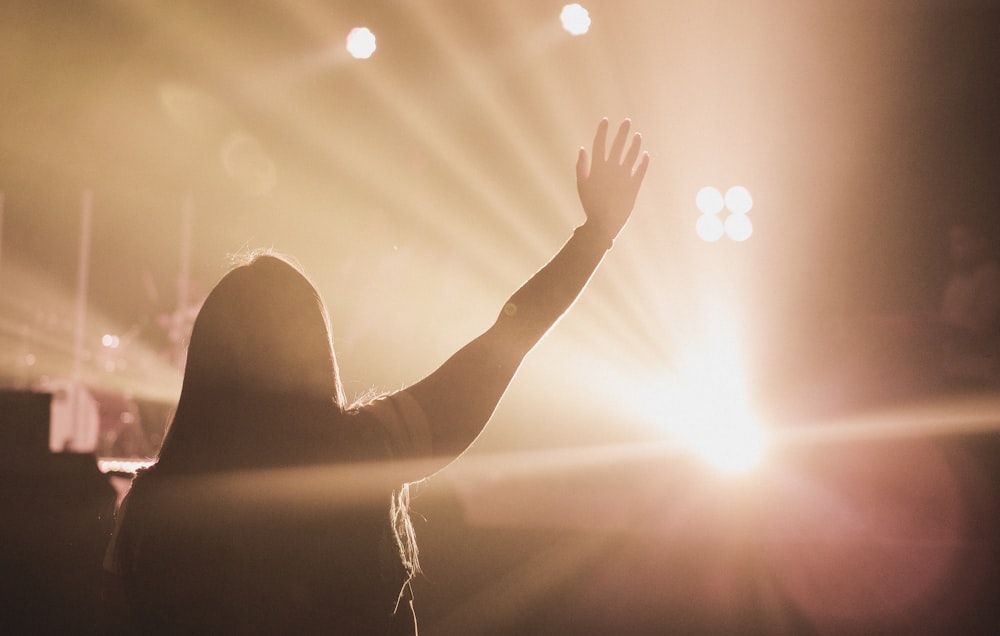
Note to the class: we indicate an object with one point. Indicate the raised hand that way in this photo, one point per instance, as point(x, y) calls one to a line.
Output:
point(609, 181)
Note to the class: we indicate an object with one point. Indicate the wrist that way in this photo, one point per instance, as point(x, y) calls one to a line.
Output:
point(594, 235)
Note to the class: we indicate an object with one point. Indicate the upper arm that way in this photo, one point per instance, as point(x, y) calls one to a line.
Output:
point(459, 397)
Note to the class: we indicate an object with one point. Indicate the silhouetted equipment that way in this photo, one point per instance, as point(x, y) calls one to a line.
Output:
point(24, 427)
point(57, 514)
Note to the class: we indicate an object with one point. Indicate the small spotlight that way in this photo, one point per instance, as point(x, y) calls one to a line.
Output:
point(361, 43)
point(709, 228)
point(709, 200)
point(110, 341)
point(575, 19)
point(738, 200)
point(737, 203)
point(738, 227)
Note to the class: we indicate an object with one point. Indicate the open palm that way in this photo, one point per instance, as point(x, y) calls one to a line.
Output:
point(609, 181)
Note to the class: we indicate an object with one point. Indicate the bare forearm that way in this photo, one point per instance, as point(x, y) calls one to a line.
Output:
point(460, 397)
point(539, 303)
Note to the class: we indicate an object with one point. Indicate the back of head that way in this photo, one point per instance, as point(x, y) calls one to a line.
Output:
point(261, 376)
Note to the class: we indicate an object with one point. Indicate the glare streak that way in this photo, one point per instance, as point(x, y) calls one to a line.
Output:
point(945, 416)
point(493, 103)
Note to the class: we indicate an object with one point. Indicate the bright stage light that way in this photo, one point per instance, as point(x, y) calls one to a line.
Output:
point(361, 43)
point(705, 403)
point(709, 228)
point(575, 19)
point(738, 200)
point(709, 200)
point(711, 417)
point(733, 446)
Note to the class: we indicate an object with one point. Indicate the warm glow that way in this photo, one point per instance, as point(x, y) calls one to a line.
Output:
point(730, 445)
point(420, 188)
point(575, 19)
point(712, 418)
point(361, 43)
point(707, 405)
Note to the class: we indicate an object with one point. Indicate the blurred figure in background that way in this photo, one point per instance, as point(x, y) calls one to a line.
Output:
point(275, 506)
point(871, 360)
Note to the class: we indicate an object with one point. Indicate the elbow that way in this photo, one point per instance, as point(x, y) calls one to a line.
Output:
point(516, 333)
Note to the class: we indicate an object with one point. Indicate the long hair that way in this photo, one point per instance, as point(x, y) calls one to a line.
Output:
point(261, 377)
point(261, 385)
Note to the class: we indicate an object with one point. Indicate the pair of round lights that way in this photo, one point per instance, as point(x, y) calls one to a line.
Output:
point(711, 202)
point(361, 44)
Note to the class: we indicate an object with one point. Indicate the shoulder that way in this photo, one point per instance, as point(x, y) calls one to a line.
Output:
point(399, 420)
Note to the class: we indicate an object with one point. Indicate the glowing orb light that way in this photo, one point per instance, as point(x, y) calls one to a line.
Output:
point(738, 200)
point(709, 228)
point(709, 200)
point(361, 43)
point(738, 227)
point(575, 19)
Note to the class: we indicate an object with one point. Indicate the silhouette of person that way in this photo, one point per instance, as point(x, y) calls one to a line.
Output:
point(954, 347)
point(275, 506)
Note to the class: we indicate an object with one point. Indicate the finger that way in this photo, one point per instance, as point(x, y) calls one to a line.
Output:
point(619, 143)
point(581, 166)
point(600, 138)
point(633, 150)
point(640, 171)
